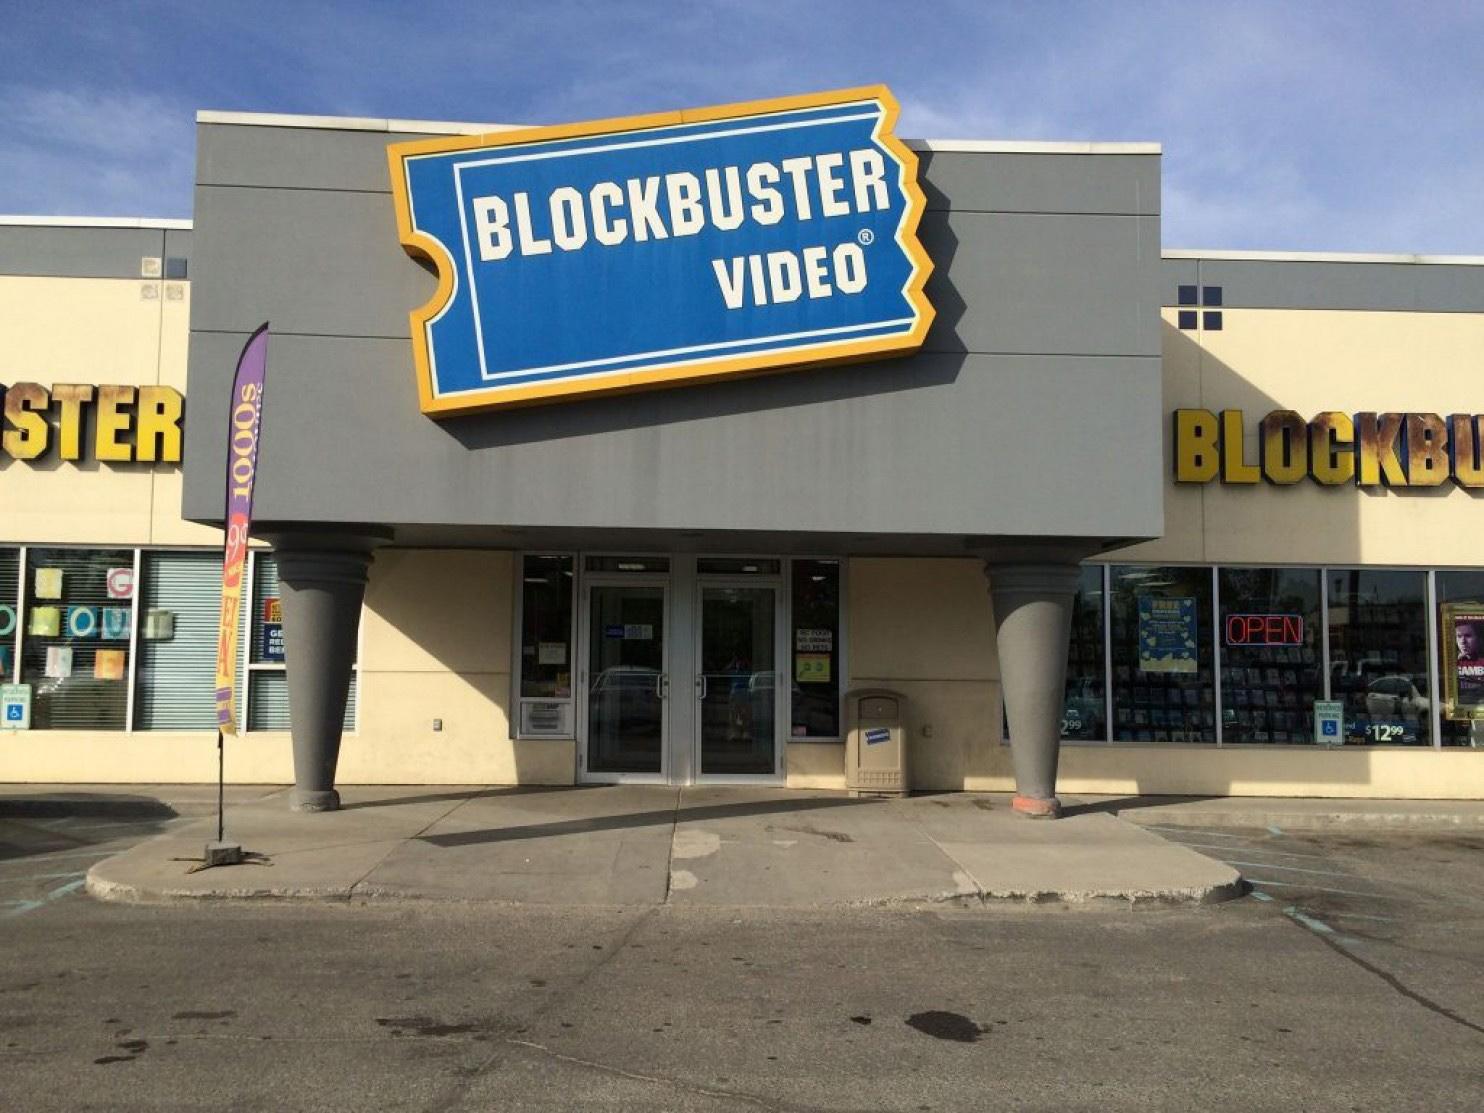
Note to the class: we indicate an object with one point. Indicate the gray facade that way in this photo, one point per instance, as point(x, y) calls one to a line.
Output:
point(59, 248)
point(1042, 366)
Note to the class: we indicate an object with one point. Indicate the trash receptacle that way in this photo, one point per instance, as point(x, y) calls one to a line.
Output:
point(876, 743)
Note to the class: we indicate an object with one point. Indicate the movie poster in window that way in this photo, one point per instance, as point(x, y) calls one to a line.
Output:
point(1463, 661)
point(1167, 634)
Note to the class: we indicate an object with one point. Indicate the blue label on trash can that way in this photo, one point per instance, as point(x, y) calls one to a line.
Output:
point(878, 734)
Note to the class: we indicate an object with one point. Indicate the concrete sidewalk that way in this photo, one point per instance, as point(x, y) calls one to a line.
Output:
point(640, 845)
point(1287, 813)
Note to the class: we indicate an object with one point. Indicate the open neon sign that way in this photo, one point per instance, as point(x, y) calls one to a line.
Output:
point(1264, 629)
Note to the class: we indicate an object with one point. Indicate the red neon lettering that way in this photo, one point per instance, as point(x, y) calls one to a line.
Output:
point(1264, 629)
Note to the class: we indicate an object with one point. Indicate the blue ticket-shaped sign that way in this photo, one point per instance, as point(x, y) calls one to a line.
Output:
point(665, 249)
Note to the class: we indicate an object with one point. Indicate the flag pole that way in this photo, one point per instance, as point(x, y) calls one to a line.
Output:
point(244, 423)
point(221, 788)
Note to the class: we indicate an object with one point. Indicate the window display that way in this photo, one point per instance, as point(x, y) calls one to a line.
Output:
point(547, 653)
point(10, 603)
point(267, 680)
point(1460, 599)
point(816, 649)
point(1270, 654)
point(78, 678)
point(1162, 654)
point(176, 674)
point(1084, 712)
point(1378, 655)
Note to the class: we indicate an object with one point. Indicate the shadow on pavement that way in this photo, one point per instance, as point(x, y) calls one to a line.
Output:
point(1128, 803)
point(29, 827)
point(68, 805)
point(440, 797)
point(638, 819)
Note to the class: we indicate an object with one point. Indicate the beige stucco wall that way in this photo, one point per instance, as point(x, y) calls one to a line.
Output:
point(98, 331)
point(435, 644)
point(436, 628)
point(1310, 361)
point(1124, 769)
point(924, 628)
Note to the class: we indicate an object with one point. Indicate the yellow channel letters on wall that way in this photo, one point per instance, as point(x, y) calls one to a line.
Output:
point(1368, 450)
point(130, 424)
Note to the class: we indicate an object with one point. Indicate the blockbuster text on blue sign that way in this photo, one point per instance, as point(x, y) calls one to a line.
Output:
point(660, 250)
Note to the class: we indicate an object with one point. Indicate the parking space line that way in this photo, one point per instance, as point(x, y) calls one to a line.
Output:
point(1196, 831)
point(1263, 849)
point(1320, 889)
point(22, 907)
point(1288, 869)
point(1361, 916)
point(49, 856)
point(47, 876)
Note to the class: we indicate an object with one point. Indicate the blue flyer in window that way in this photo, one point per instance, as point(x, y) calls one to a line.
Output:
point(116, 623)
point(1167, 636)
point(82, 622)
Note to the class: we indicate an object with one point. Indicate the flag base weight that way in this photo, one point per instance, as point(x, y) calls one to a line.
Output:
point(222, 854)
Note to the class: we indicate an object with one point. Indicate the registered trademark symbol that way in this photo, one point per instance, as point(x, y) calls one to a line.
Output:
point(865, 237)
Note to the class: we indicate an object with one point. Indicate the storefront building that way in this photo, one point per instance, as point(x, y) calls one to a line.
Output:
point(1156, 504)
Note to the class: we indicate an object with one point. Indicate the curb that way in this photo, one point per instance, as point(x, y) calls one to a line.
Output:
point(1310, 821)
point(66, 807)
point(103, 888)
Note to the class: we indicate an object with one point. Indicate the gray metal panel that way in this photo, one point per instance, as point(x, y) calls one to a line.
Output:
point(1174, 273)
point(1297, 284)
point(1126, 185)
point(328, 264)
point(903, 455)
point(936, 444)
point(309, 261)
point(304, 158)
point(77, 252)
point(1047, 283)
point(178, 243)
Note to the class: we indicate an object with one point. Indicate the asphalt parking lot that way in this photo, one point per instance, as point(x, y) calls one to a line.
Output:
point(1407, 906)
point(1349, 980)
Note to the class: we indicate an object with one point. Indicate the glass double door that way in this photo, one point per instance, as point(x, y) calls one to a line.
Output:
point(680, 686)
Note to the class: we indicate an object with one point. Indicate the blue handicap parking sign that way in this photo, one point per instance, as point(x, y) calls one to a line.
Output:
point(1330, 727)
point(13, 712)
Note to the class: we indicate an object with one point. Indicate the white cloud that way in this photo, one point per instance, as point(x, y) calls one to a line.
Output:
point(73, 152)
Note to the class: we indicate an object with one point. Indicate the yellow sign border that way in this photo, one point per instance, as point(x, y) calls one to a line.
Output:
point(425, 247)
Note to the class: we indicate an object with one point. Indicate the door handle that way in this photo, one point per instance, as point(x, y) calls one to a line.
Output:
point(662, 686)
point(700, 685)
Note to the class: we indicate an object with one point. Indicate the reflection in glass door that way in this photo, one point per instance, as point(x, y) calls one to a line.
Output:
point(626, 680)
point(737, 684)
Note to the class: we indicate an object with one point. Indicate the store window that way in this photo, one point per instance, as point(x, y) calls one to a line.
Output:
point(1084, 712)
point(1270, 653)
point(1461, 655)
point(75, 654)
point(180, 602)
point(815, 641)
point(1163, 687)
point(1378, 655)
point(10, 609)
point(267, 679)
point(546, 651)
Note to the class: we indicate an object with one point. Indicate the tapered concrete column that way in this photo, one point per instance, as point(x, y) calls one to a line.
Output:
point(322, 581)
point(1033, 621)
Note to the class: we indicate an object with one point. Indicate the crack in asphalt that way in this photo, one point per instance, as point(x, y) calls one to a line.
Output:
point(456, 1094)
point(1327, 937)
point(659, 1080)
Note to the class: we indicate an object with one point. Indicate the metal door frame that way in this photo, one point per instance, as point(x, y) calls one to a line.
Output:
point(781, 681)
point(661, 580)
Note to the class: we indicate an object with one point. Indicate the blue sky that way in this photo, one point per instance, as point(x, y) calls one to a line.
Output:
point(1351, 126)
